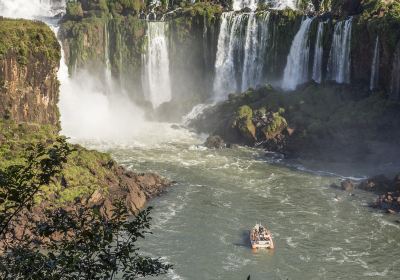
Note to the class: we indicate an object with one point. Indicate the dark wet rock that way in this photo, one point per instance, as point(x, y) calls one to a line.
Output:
point(388, 191)
point(232, 146)
point(134, 189)
point(378, 184)
point(175, 126)
point(347, 185)
point(215, 142)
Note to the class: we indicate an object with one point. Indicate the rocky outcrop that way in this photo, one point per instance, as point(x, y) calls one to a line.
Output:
point(332, 122)
point(133, 188)
point(29, 61)
point(388, 191)
point(214, 142)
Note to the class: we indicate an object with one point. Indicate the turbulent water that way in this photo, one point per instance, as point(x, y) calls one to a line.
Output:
point(201, 224)
point(156, 72)
point(318, 54)
point(296, 70)
point(30, 9)
point(339, 58)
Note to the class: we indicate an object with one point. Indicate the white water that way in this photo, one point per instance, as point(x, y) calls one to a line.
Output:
point(297, 66)
point(30, 9)
point(156, 80)
point(107, 69)
point(241, 51)
point(375, 67)
point(339, 58)
point(257, 35)
point(229, 42)
point(87, 111)
point(318, 54)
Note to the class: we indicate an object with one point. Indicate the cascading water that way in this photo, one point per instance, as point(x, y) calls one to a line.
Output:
point(156, 78)
point(296, 70)
point(339, 58)
point(107, 62)
point(257, 36)
point(318, 54)
point(375, 66)
point(31, 9)
point(87, 112)
point(241, 51)
point(395, 79)
point(228, 48)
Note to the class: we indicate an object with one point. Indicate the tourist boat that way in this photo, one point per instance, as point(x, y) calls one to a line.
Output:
point(260, 237)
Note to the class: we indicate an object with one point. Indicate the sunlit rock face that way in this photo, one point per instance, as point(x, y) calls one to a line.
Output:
point(28, 78)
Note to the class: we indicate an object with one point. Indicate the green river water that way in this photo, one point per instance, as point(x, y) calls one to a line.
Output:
point(201, 224)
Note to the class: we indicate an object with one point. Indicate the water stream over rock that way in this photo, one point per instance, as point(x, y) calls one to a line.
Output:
point(297, 66)
point(156, 71)
point(375, 66)
point(339, 58)
point(201, 224)
point(318, 54)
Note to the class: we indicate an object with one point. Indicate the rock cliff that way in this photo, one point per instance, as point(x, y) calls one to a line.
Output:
point(29, 61)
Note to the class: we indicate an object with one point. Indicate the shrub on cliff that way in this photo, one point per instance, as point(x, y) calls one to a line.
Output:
point(71, 243)
point(74, 10)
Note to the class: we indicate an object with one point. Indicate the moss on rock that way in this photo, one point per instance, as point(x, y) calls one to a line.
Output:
point(25, 38)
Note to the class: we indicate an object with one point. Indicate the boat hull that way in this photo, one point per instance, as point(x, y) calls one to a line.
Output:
point(260, 240)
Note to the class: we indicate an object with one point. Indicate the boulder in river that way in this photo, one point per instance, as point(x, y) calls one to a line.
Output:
point(347, 185)
point(215, 142)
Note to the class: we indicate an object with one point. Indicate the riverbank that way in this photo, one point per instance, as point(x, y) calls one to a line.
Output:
point(29, 118)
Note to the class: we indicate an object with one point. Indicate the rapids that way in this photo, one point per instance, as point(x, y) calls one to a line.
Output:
point(201, 224)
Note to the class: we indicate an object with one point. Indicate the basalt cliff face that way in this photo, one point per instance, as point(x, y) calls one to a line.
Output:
point(29, 61)
point(193, 35)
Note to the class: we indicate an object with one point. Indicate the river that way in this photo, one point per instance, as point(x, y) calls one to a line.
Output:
point(201, 224)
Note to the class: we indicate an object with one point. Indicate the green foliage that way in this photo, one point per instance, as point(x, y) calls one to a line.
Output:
point(74, 10)
point(26, 39)
point(276, 125)
point(20, 183)
point(243, 122)
point(88, 246)
point(84, 172)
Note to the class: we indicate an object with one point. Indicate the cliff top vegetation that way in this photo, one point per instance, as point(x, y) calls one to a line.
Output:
point(26, 38)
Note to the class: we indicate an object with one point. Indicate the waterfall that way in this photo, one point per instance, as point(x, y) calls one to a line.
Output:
point(339, 57)
point(156, 78)
point(296, 70)
point(86, 112)
point(257, 36)
point(395, 79)
point(31, 9)
point(241, 51)
point(107, 62)
point(229, 44)
point(318, 54)
point(375, 66)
